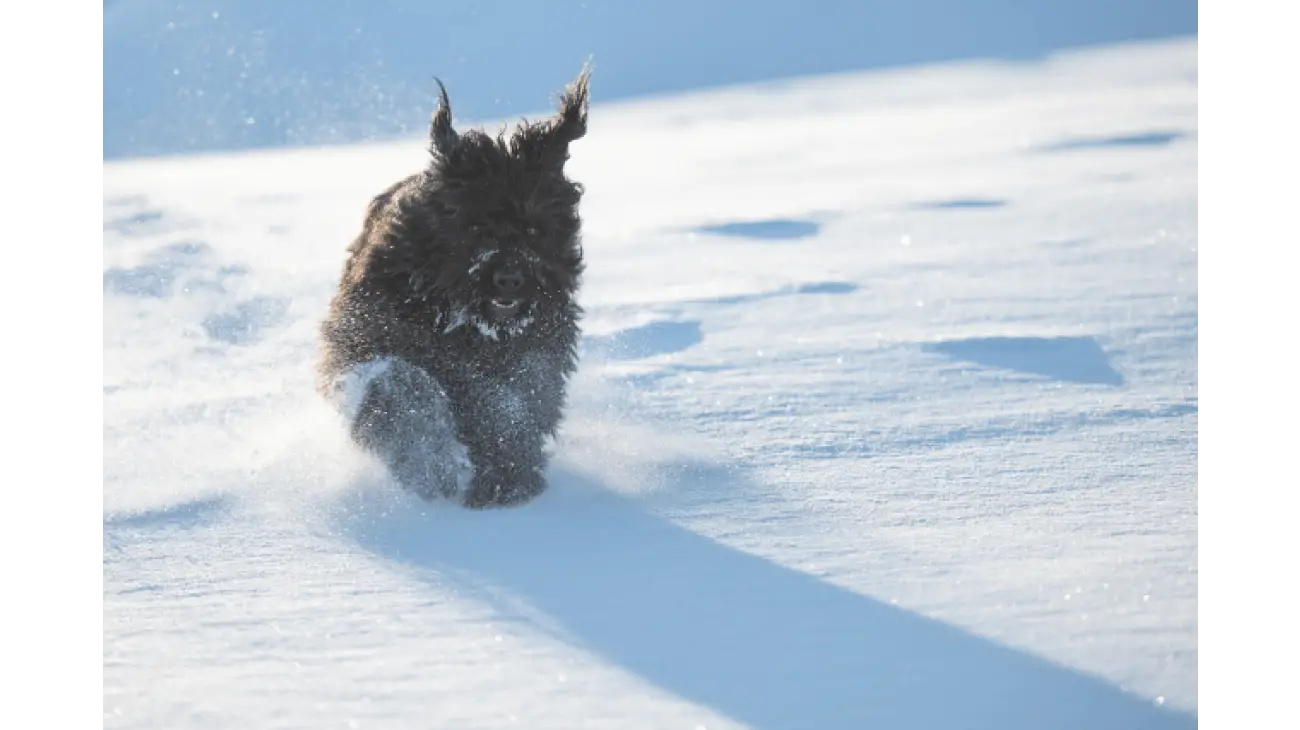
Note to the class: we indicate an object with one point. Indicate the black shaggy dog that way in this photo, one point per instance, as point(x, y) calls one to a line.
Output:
point(454, 329)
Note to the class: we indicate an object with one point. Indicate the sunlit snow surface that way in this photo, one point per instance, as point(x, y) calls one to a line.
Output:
point(887, 417)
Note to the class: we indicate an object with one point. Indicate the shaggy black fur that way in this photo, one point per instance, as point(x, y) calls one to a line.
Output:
point(458, 298)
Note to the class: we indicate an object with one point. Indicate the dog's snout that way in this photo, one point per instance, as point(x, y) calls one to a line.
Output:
point(508, 281)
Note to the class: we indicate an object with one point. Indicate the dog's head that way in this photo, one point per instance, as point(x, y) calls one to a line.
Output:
point(507, 218)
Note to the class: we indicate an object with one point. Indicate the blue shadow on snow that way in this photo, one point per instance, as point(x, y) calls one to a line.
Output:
point(244, 323)
point(1074, 359)
point(816, 287)
point(647, 340)
point(184, 515)
point(671, 336)
point(1140, 139)
point(960, 203)
point(765, 645)
point(775, 229)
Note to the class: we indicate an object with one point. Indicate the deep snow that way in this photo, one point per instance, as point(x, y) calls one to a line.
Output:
point(911, 440)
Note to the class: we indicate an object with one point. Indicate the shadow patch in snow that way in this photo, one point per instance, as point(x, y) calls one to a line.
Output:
point(818, 287)
point(826, 287)
point(672, 336)
point(1073, 359)
point(244, 323)
point(764, 644)
point(144, 217)
point(1140, 139)
point(162, 269)
point(777, 229)
point(647, 340)
point(959, 203)
point(183, 516)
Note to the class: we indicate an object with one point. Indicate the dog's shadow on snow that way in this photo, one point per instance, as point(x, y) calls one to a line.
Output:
point(766, 645)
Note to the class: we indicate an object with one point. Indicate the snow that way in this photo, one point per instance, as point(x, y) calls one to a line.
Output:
point(887, 416)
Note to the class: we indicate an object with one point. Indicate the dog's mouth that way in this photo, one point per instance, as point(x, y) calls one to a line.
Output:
point(506, 306)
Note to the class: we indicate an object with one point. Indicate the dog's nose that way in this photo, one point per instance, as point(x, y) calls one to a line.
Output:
point(508, 281)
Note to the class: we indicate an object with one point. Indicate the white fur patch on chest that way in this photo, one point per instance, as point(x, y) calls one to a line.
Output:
point(486, 326)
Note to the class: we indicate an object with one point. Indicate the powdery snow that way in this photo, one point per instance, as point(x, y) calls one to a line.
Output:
point(887, 417)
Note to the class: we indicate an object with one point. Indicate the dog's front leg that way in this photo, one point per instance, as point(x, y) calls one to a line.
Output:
point(399, 413)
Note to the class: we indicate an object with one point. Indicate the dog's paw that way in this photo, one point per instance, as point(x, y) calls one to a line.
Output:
point(492, 488)
point(432, 470)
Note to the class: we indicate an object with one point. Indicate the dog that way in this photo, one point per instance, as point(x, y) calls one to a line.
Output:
point(453, 332)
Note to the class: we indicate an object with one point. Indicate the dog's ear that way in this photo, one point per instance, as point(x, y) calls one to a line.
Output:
point(571, 121)
point(442, 137)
